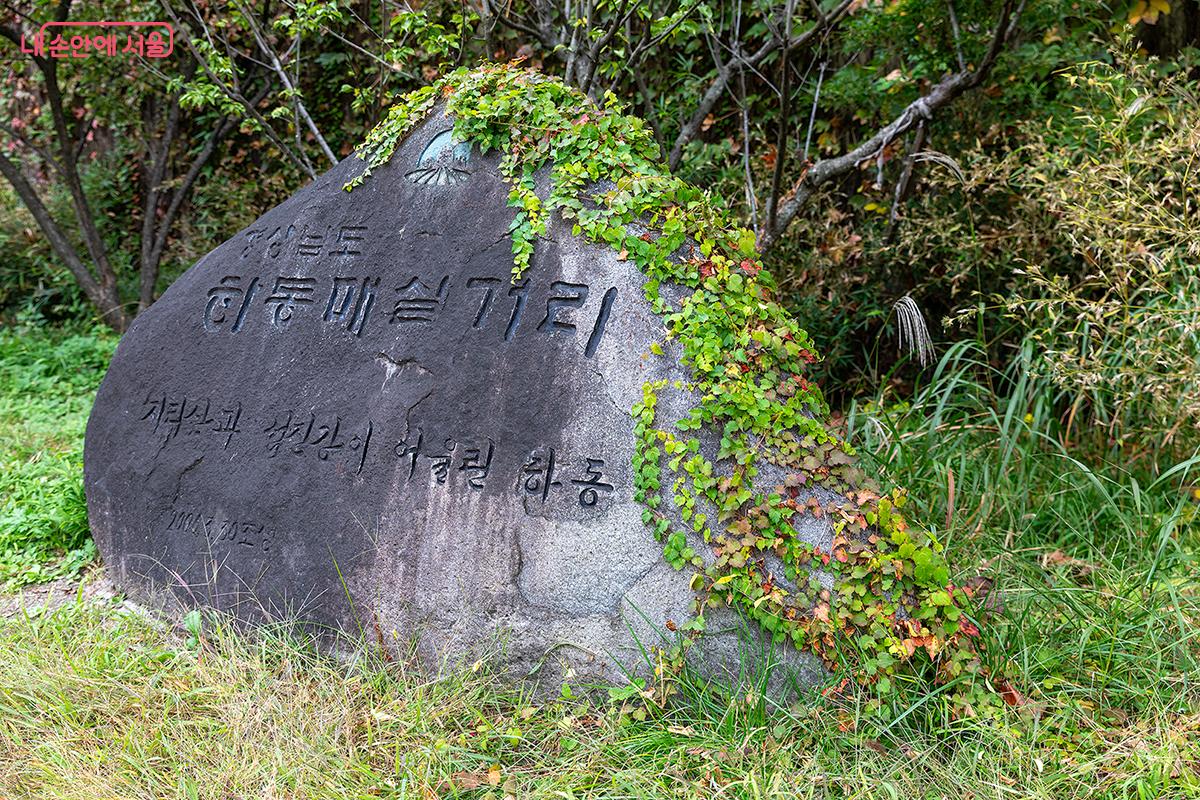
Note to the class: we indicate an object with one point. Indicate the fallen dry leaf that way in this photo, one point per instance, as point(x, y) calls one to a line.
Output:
point(1009, 694)
point(876, 746)
point(464, 780)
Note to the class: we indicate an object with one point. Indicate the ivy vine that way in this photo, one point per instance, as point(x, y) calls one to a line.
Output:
point(892, 609)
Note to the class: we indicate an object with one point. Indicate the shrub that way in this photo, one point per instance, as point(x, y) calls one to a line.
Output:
point(1122, 334)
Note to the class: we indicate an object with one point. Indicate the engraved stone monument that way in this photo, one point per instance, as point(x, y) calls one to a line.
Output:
point(349, 414)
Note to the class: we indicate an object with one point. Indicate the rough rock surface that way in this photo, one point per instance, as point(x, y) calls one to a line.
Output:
point(349, 415)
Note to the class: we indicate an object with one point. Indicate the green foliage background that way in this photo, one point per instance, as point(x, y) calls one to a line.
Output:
point(47, 381)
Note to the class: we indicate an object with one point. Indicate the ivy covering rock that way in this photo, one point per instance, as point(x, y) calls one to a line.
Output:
point(892, 610)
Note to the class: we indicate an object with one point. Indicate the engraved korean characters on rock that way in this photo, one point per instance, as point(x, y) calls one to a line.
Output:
point(324, 437)
point(313, 278)
point(314, 285)
point(350, 446)
point(536, 474)
point(177, 414)
point(347, 301)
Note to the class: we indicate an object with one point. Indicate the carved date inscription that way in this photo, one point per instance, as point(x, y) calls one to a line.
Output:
point(218, 529)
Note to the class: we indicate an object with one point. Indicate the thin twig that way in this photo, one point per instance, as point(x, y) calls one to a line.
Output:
point(962, 63)
point(784, 113)
point(812, 116)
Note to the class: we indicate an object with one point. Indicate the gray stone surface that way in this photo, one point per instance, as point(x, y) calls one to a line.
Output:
point(346, 413)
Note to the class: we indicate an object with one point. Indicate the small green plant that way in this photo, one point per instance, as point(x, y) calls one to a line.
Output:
point(47, 381)
point(892, 607)
point(193, 623)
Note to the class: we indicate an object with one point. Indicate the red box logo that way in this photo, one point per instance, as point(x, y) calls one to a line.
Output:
point(105, 38)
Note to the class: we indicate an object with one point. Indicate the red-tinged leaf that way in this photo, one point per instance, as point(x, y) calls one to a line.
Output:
point(1009, 694)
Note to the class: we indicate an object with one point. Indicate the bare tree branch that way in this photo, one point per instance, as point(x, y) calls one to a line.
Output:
point(647, 44)
point(958, 53)
point(234, 92)
point(812, 114)
point(592, 56)
point(519, 24)
point(298, 104)
point(905, 181)
point(104, 298)
point(942, 94)
point(68, 160)
point(158, 153)
point(152, 257)
point(785, 72)
point(718, 86)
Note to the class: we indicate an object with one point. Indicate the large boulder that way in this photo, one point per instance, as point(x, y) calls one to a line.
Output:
point(349, 414)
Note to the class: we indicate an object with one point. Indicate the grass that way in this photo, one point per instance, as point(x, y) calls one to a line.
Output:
point(1095, 622)
point(99, 703)
point(1095, 553)
point(47, 381)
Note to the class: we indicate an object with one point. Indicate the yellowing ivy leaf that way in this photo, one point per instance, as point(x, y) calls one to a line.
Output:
point(1147, 11)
